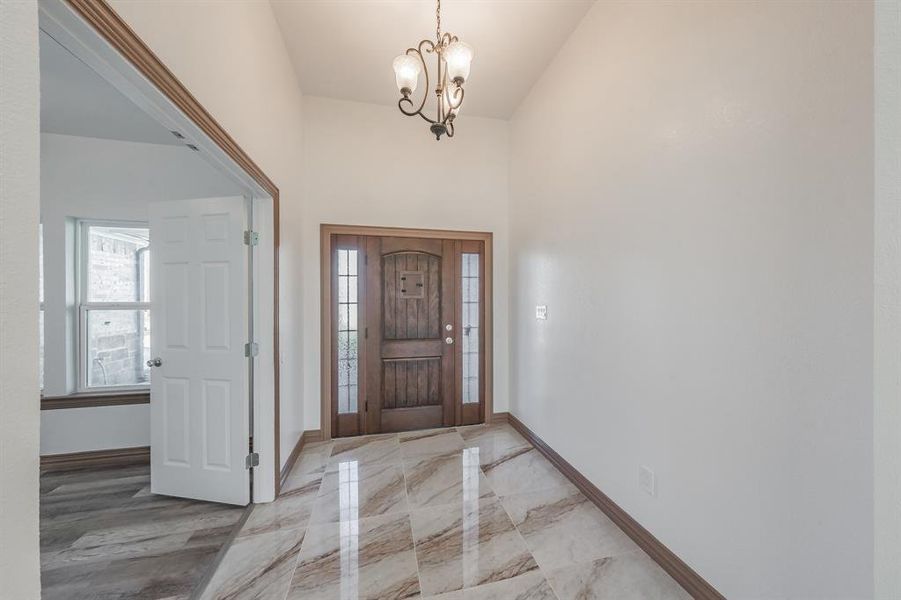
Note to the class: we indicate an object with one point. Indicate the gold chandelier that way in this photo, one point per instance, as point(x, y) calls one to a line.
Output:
point(453, 58)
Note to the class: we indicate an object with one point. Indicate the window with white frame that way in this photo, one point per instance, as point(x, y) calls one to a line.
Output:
point(114, 305)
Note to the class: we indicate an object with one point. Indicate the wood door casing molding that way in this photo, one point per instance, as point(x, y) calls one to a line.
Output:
point(326, 231)
point(111, 27)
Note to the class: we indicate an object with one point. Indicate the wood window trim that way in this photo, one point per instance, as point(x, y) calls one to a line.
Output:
point(107, 23)
point(95, 399)
point(326, 231)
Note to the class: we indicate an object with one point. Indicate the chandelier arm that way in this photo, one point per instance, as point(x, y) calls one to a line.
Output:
point(411, 113)
point(429, 47)
point(453, 102)
point(450, 129)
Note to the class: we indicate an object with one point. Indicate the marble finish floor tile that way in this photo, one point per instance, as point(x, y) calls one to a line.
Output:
point(561, 526)
point(492, 437)
point(531, 586)
point(632, 576)
point(469, 513)
point(370, 558)
point(519, 470)
point(313, 458)
point(464, 546)
point(291, 510)
point(364, 450)
point(450, 478)
point(360, 491)
point(493, 443)
point(429, 441)
point(257, 566)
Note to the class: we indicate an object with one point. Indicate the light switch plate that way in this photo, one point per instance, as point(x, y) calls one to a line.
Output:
point(541, 312)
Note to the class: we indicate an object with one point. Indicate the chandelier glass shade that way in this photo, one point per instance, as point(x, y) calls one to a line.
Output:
point(453, 59)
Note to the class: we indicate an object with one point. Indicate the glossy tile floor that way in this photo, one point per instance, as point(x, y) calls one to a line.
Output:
point(104, 536)
point(472, 513)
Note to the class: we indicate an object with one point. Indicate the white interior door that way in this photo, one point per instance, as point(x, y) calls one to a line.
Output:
point(199, 393)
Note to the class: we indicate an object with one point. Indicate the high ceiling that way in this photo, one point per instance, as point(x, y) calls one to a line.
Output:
point(343, 49)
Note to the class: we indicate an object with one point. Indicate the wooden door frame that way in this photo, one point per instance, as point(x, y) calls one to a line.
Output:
point(326, 231)
point(109, 26)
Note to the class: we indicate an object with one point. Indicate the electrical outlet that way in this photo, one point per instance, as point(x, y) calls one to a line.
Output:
point(541, 312)
point(647, 481)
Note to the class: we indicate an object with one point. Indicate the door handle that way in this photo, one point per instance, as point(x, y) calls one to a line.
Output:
point(448, 340)
point(155, 362)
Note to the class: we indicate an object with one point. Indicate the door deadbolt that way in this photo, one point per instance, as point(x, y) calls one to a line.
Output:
point(448, 340)
point(449, 327)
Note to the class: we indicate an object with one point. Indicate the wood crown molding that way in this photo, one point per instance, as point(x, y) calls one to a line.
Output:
point(96, 459)
point(684, 575)
point(93, 400)
point(307, 437)
point(111, 27)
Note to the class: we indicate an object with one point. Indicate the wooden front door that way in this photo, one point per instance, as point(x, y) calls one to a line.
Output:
point(407, 350)
point(410, 352)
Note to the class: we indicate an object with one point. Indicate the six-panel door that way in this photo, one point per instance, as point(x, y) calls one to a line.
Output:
point(199, 397)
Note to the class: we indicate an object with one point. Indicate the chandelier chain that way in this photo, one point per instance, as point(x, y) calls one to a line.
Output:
point(438, 19)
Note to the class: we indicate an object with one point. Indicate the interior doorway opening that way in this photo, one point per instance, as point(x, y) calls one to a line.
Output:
point(406, 329)
point(121, 139)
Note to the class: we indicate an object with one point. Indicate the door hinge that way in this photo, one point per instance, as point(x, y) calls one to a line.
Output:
point(251, 238)
point(366, 406)
point(365, 333)
point(251, 349)
point(252, 460)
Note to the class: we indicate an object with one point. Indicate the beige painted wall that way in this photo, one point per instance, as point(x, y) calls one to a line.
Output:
point(19, 208)
point(887, 379)
point(692, 198)
point(232, 58)
point(370, 165)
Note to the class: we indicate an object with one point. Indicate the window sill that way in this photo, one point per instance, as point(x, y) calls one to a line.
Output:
point(95, 399)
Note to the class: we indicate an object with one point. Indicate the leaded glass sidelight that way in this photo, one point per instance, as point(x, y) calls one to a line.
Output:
point(470, 351)
point(348, 331)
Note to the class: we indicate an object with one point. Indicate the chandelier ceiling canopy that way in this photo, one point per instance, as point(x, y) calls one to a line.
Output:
point(453, 59)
